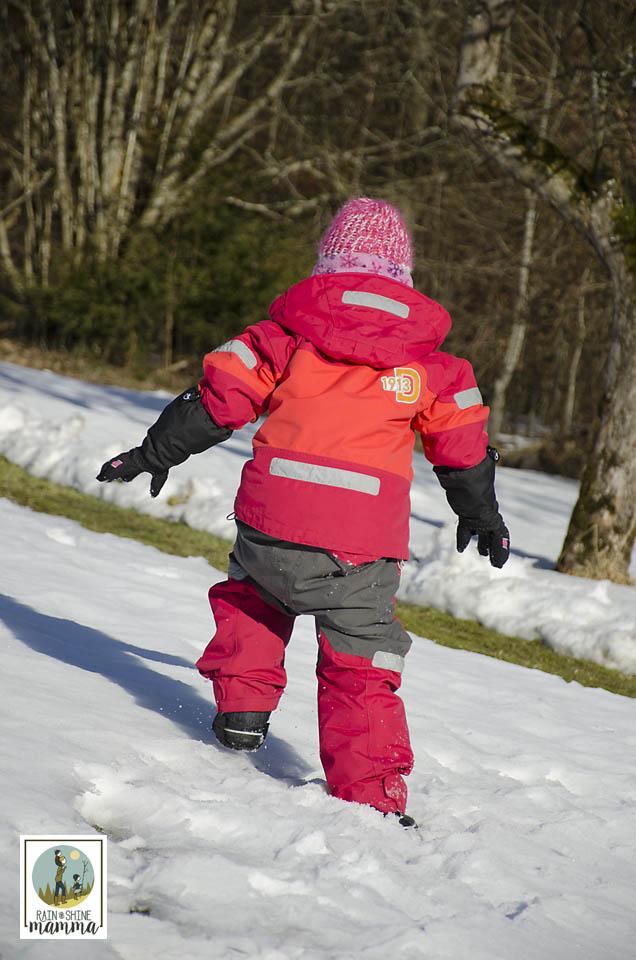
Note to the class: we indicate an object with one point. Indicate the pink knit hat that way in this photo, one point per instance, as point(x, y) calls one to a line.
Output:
point(367, 236)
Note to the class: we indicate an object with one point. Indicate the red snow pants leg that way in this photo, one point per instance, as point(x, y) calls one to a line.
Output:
point(364, 738)
point(245, 658)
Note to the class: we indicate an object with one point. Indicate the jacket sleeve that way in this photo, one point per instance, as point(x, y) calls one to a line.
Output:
point(453, 420)
point(240, 375)
point(452, 425)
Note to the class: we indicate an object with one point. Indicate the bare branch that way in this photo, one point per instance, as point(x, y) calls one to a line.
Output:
point(481, 113)
point(172, 192)
point(261, 208)
point(27, 193)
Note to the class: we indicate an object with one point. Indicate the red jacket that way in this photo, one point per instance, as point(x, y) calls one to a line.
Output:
point(347, 369)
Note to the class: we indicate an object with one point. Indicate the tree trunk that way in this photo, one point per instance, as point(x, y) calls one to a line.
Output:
point(516, 340)
point(168, 327)
point(602, 528)
point(570, 396)
point(517, 337)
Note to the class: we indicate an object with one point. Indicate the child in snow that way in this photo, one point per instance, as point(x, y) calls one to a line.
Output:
point(77, 886)
point(347, 368)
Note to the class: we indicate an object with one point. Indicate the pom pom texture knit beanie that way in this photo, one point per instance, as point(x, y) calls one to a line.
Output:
point(369, 236)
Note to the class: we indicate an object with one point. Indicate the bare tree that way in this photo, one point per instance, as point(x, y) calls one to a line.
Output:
point(575, 358)
point(352, 131)
point(602, 528)
point(126, 107)
point(516, 339)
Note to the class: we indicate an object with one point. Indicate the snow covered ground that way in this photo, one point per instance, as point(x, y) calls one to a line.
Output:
point(64, 429)
point(525, 786)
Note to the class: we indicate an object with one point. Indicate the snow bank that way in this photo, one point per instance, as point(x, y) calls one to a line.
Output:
point(594, 620)
point(58, 450)
point(524, 786)
point(63, 429)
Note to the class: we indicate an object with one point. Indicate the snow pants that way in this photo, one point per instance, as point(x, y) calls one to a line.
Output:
point(364, 739)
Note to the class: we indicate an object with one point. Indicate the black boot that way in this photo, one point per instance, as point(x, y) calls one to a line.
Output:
point(241, 730)
point(404, 820)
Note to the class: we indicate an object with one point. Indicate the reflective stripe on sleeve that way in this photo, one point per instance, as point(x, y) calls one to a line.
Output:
point(468, 398)
point(241, 350)
point(388, 661)
point(359, 298)
point(326, 476)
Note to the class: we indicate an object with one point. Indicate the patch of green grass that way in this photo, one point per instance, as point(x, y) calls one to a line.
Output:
point(469, 635)
point(183, 541)
point(46, 497)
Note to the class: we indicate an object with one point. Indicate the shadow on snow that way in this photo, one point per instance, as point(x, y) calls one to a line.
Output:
point(127, 665)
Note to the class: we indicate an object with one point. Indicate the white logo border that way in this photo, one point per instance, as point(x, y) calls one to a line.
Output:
point(28, 896)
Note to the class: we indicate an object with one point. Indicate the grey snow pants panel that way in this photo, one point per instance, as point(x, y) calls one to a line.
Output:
point(353, 605)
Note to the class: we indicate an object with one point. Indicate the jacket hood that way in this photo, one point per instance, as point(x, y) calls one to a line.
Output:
point(363, 318)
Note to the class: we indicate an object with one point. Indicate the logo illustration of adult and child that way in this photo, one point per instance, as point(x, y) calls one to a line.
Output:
point(63, 876)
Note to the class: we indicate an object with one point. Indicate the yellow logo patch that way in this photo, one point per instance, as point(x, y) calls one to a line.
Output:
point(405, 383)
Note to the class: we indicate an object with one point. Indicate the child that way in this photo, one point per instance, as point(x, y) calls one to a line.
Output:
point(347, 369)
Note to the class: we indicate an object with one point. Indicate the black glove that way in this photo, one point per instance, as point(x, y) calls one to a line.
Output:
point(471, 494)
point(490, 543)
point(184, 427)
point(127, 466)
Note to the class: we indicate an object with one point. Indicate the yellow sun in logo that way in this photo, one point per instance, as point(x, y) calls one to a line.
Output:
point(74, 855)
